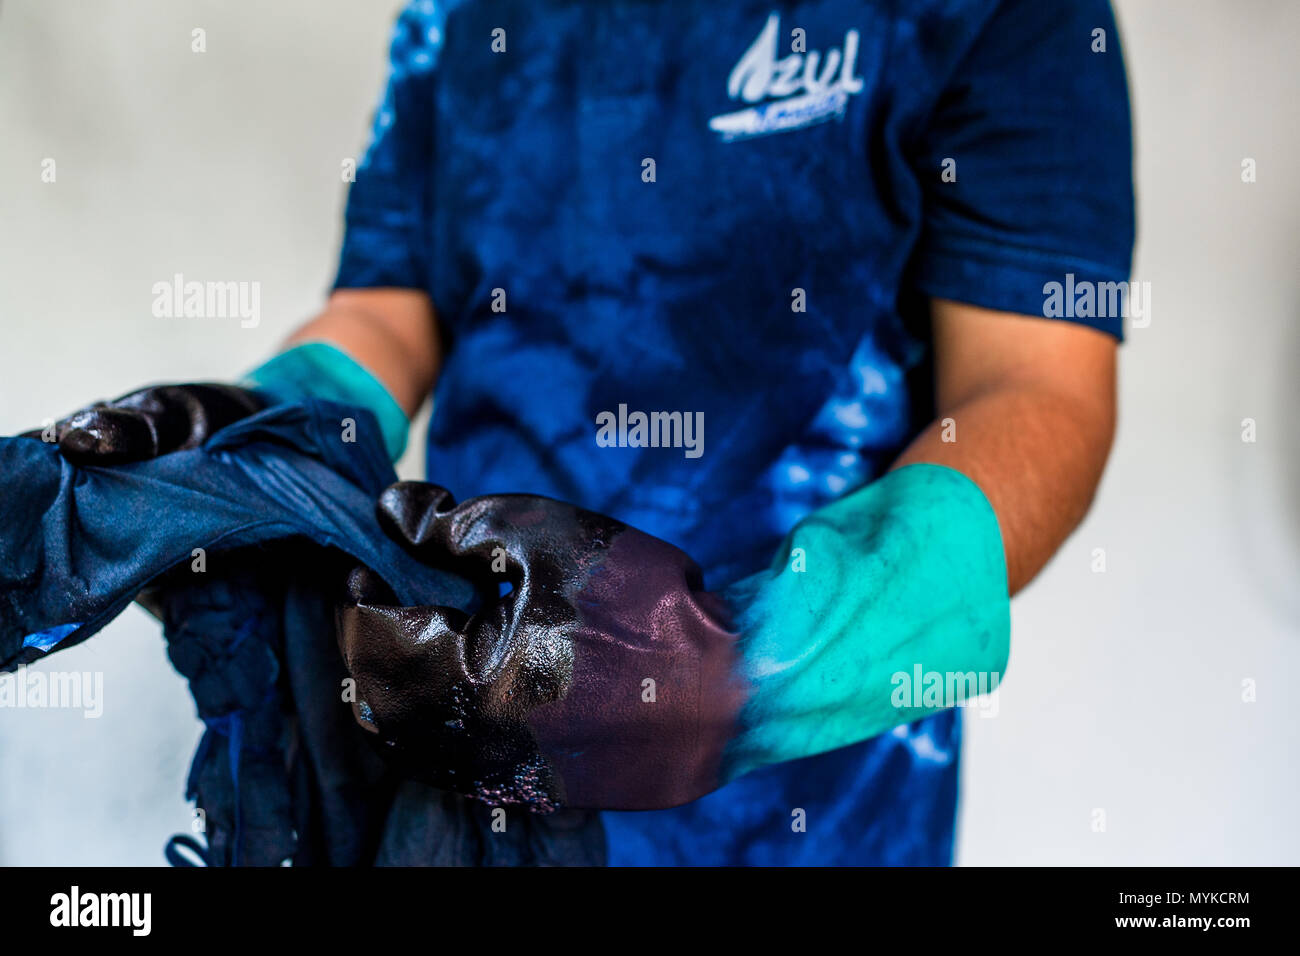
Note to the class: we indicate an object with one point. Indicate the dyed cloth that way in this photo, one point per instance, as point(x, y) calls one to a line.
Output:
point(623, 209)
point(282, 504)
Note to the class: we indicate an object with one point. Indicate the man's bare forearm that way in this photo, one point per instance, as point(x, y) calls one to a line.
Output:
point(1027, 412)
point(1024, 448)
point(392, 332)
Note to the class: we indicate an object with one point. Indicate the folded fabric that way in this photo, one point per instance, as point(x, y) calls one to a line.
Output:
point(78, 544)
point(241, 538)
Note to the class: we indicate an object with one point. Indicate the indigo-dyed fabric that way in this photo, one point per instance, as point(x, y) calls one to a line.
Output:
point(282, 503)
point(78, 544)
point(623, 208)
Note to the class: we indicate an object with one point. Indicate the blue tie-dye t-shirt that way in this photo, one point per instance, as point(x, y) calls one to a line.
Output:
point(681, 255)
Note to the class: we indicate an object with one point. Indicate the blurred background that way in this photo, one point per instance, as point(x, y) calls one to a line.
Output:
point(1145, 718)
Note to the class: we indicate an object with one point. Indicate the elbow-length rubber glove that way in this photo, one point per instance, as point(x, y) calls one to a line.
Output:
point(607, 677)
point(160, 419)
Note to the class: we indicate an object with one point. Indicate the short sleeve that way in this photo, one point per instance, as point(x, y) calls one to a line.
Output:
point(384, 240)
point(1034, 123)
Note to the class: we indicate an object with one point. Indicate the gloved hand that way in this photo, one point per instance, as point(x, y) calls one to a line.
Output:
point(150, 422)
point(602, 680)
point(165, 418)
point(608, 678)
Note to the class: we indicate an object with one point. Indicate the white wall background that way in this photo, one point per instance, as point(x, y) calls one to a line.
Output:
point(1125, 691)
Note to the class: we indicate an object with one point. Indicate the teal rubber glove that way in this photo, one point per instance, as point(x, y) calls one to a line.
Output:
point(321, 370)
point(904, 579)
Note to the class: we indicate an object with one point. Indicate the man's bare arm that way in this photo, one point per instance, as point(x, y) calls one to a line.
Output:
point(392, 332)
point(1032, 407)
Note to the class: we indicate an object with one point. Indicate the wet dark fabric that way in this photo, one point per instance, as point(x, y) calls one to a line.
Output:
point(282, 503)
point(772, 277)
point(604, 678)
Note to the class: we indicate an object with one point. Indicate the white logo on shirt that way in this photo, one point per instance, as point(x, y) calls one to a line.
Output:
point(799, 90)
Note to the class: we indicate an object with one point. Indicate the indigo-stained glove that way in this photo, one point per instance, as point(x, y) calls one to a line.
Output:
point(150, 422)
point(609, 678)
point(602, 680)
point(161, 419)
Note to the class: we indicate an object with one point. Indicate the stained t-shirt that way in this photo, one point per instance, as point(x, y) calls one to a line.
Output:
point(681, 256)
